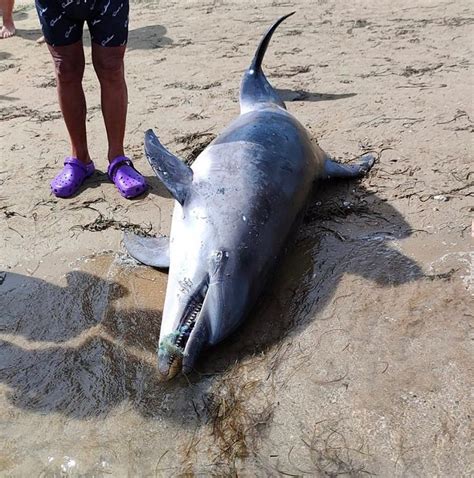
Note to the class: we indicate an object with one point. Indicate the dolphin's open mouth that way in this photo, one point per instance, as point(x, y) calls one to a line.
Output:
point(186, 328)
point(173, 346)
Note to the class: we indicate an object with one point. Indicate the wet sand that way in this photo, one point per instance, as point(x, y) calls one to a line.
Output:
point(358, 359)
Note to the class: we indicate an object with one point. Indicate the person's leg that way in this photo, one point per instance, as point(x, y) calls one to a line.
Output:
point(8, 28)
point(62, 30)
point(109, 32)
point(69, 65)
point(109, 65)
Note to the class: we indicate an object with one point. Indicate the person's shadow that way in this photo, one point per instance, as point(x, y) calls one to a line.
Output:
point(143, 38)
point(78, 351)
point(73, 350)
point(32, 34)
point(155, 186)
point(148, 38)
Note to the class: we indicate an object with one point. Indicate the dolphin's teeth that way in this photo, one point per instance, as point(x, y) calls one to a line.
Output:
point(184, 331)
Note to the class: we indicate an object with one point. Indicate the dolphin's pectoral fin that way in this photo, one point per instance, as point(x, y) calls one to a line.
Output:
point(332, 169)
point(152, 251)
point(174, 173)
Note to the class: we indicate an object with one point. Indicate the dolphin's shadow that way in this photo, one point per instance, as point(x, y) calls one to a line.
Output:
point(318, 256)
point(76, 350)
point(301, 95)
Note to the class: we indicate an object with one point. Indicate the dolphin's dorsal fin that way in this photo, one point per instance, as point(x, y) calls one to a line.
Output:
point(174, 173)
point(255, 89)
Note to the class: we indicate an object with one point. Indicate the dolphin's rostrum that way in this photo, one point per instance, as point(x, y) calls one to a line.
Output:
point(235, 209)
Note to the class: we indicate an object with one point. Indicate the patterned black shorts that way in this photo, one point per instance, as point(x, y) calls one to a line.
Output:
point(62, 21)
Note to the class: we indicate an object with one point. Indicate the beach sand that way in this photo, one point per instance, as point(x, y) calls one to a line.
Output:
point(357, 360)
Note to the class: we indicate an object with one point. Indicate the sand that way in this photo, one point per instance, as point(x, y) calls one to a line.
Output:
point(357, 361)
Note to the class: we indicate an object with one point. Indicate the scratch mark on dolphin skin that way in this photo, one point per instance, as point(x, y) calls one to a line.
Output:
point(186, 284)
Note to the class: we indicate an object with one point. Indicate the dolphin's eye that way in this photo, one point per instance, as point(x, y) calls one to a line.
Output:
point(217, 262)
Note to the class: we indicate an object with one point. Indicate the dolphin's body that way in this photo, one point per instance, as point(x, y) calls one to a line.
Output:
point(235, 209)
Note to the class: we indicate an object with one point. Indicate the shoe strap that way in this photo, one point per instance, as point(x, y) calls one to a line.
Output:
point(76, 163)
point(116, 164)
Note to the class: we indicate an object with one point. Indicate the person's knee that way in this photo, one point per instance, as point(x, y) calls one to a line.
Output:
point(69, 69)
point(109, 66)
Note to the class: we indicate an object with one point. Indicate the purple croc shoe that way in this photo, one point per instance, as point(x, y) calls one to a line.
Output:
point(71, 177)
point(126, 178)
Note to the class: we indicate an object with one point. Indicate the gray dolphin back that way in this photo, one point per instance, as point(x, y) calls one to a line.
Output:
point(255, 90)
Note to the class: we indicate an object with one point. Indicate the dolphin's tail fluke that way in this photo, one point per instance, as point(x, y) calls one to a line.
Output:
point(255, 89)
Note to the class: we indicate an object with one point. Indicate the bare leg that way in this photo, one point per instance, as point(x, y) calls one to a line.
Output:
point(69, 63)
point(8, 28)
point(109, 66)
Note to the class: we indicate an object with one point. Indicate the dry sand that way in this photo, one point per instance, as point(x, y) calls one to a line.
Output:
point(359, 358)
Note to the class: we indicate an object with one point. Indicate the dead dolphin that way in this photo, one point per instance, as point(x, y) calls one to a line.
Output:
point(235, 209)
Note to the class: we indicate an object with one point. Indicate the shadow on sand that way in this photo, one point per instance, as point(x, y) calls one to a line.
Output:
point(148, 38)
point(301, 95)
point(143, 38)
point(155, 186)
point(32, 34)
